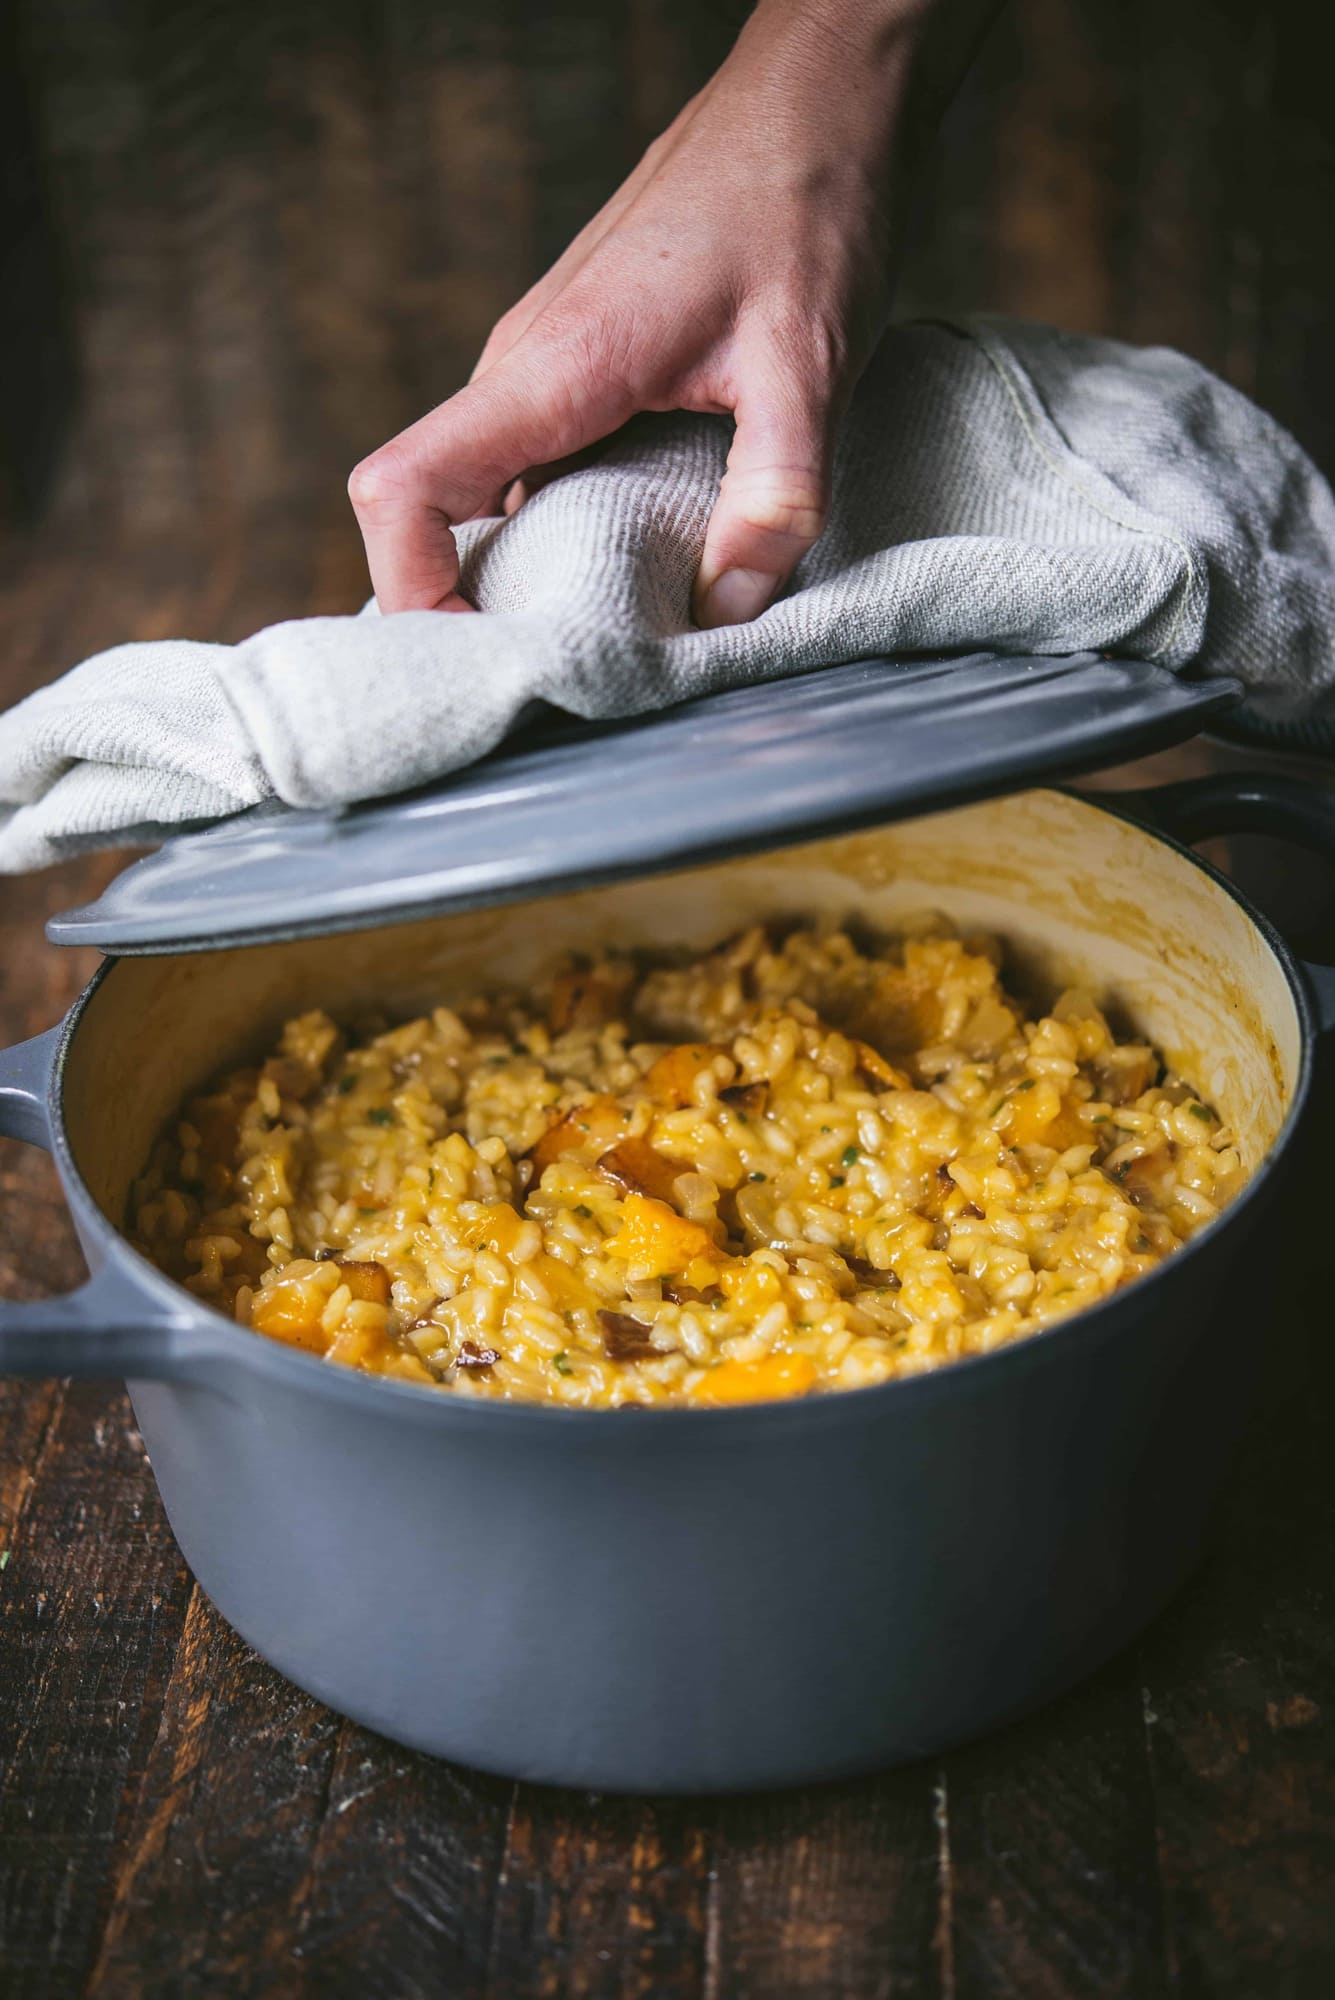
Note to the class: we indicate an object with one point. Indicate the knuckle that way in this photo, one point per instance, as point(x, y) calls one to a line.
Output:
point(810, 349)
point(378, 481)
point(789, 505)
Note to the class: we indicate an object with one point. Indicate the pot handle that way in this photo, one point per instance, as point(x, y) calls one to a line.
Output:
point(1247, 802)
point(110, 1326)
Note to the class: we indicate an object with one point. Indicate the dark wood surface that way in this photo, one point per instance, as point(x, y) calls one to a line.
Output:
point(261, 239)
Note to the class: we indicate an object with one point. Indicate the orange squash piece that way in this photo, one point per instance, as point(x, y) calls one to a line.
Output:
point(282, 1317)
point(671, 1080)
point(768, 1380)
point(655, 1240)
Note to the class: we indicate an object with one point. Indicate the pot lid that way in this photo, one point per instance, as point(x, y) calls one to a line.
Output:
point(565, 804)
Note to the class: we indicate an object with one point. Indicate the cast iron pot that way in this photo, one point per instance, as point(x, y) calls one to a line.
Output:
point(715, 1599)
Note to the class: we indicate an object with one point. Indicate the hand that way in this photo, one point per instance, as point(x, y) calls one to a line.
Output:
point(743, 269)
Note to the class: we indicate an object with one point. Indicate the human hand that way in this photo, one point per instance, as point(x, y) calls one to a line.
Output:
point(743, 269)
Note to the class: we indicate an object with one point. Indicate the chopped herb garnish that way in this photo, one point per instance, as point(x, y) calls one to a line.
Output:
point(5, 1554)
point(836, 1180)
point(366, 1211)
point(827, 1128)
point(1142, 1242)
point(756, 1177)
point(561, 1365)
point(997, 1106)
point(1028, 1083)
point(848, 1156)
point(1202, 1111)
point(381, 1115)
point(347, 1083)
point(715, 1302)
point(582, 1208)
point(1104, 1118)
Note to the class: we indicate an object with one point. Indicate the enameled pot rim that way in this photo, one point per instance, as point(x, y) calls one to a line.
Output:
point(218, 1344)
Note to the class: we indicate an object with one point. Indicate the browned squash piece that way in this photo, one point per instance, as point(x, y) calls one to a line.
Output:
point(671, 1080)
point(904, 1012)
point(588, 999)
point(216, 1120)
point(365, 1281)
point(636, 1167)
point(589, 1128)
point(291, 1078)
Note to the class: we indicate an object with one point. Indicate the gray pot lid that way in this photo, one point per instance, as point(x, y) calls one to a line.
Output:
point(565, 804)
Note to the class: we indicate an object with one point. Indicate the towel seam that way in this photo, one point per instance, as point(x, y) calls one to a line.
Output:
point(984, 339)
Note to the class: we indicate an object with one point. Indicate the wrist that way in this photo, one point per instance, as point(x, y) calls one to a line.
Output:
point(889, 66)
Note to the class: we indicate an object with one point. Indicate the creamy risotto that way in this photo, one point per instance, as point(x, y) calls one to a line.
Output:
point(798, 1164)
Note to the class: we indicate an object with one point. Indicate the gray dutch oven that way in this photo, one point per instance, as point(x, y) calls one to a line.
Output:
point(691, 1600)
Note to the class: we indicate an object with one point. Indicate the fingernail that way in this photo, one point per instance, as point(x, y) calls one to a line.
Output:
point(736, 597)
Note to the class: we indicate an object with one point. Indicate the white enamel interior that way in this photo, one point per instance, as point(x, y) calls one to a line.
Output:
point(1078, 896)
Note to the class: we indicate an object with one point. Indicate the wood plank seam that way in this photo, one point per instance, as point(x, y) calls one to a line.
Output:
point(151, 1840)
point(1167, 1928)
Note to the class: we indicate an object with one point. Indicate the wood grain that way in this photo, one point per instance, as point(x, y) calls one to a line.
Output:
point(279, 234)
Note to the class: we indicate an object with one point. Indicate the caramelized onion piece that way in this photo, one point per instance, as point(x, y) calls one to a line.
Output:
point(689, 1295)
point(874, 1065)
point(470, 1355)
point(750, 1098)
point(624, 1338)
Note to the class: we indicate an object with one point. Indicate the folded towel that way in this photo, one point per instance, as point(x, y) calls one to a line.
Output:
point(997, 485)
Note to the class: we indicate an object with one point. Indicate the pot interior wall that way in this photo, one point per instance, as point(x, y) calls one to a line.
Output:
point(1079, 897)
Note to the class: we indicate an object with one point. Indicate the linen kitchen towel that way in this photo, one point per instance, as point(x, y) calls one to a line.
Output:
point(997, 485)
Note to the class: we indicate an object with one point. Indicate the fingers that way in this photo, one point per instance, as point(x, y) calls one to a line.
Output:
point(772, 503)
point(544, 401)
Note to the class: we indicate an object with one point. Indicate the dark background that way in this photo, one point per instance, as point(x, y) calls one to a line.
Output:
point(243, 243)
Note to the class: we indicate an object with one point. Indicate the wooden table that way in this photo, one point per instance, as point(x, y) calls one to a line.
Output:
point(283, 231)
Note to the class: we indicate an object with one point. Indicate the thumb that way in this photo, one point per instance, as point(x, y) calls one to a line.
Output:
point(772, 503)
